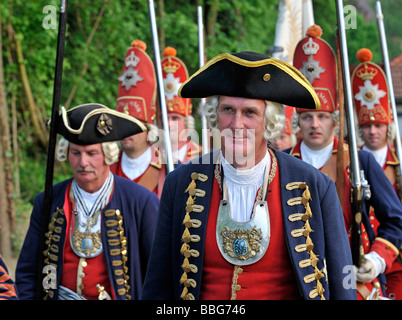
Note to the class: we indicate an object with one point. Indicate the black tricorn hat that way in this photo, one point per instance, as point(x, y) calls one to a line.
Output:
point(251, 75)
point(93, 123)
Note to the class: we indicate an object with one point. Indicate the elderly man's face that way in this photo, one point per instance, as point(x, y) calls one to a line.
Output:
point(318, 129)
point(375, 135)
point(241, 123)
point(88, 165)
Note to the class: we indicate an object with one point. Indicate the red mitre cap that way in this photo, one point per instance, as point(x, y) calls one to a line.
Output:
point(174, 73)
point(287, 128)
point(370, 91)
point(137, 89)
point(315, 58)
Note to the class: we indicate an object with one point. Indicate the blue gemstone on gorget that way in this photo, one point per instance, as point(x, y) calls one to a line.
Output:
point(86, 244)
point(240, 247)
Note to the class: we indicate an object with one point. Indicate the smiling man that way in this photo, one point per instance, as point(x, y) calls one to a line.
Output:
point(101, 227)
point(237, 223)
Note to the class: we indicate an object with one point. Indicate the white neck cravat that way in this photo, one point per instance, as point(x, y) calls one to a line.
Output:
point(181, 153)
point(133, 168)
point(242, 186)
point(380, 155)
point(317, 158)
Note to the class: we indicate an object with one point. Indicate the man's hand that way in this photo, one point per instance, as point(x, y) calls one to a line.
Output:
point(373, 266)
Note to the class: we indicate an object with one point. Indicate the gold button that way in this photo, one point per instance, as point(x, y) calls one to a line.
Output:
point(84, 264)
point(239, 271)
point(266, 77)
point(238, 287)
point(102, 123)
point(309, 247)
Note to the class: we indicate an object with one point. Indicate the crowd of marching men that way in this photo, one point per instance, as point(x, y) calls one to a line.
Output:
point(125, 228)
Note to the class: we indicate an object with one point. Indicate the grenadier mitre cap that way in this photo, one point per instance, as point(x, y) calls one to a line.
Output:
point(174, 73)
point(370, 91)
point(315, 58)
point(254, 76)
point(287, 128)
point(93, 123)
point(137, 89)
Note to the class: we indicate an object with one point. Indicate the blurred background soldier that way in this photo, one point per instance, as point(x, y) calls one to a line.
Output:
point(181, 122)
point(287, 139)
point(140, 159)
point(377, 131)
point(319, 147)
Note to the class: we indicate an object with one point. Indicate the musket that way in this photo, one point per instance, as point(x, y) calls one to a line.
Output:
point(52, 145)
point(204, 128)
point(161, 91)
point(387, 68)
point(358, 190)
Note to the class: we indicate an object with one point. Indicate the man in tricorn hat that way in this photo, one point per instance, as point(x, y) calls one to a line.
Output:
point(181, 121)
point(377, 130)
point(102, 225)
point(238, 223)
point(140, 160)
point(319, 147)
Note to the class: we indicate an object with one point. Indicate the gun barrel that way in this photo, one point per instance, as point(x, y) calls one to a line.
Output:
point(52, 144)
point(205, 135)
point(355, 168)
point(161, 91)
point(387, 69)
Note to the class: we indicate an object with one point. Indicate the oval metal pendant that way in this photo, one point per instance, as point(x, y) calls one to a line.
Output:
point(243, 243)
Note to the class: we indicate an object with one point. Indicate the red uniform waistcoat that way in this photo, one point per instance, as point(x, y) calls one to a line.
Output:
point(95, 270)
point(271, 278)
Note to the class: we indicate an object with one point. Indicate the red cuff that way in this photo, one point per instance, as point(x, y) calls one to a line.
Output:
point(386, 250)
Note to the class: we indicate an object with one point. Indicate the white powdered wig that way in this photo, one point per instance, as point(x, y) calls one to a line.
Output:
point(110, 150)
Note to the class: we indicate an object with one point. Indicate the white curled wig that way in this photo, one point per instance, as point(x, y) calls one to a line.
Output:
point(153, 133)
point(274, 117)
point(110, 150)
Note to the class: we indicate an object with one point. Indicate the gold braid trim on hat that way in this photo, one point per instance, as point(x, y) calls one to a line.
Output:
point(305, 232)
point(187, 237)
point(293, 72)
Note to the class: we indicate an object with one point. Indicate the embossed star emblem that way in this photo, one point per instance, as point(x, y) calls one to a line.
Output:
point(171, 85)
point(369, 95)
point(129, 78)
point(311, 69)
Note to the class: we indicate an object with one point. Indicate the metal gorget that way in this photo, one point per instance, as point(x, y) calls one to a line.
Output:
point(85, 230)
point(245, 243)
